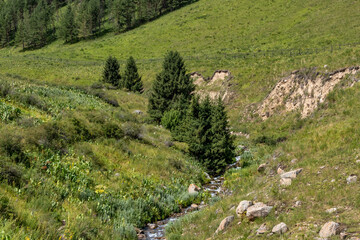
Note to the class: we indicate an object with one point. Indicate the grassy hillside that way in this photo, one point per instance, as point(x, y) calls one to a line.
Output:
point(207, 33)
point(50, 103)
point(73, 165)
point(325, 145)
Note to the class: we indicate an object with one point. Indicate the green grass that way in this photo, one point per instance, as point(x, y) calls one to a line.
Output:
point(325, 146)
point(68, 155)
point(208, 34)
point(205, 32)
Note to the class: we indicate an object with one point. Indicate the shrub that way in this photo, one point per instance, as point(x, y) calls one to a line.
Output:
point(112, 130)
point(33, 100)
point(12, 145)
point(12, 175)
point(5, 89)
point(132, 130)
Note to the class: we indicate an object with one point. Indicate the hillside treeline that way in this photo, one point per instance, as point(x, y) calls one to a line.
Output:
point(34, 23)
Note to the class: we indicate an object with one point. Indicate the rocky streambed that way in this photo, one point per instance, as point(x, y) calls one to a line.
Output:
point(214, 187)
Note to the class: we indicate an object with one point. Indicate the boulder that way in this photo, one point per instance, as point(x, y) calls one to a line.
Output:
point(291, 174)
point(262, 167)
point(242, 207)
point(193, 189)
point(329, 229)
point(152, 225)
point(262, 229)
point(224, 224)
point(285, 181)
point(280, 228)
point(351, 179)
point(194, 206)
point(258, 210)
point(139, 112)
point(331, 210)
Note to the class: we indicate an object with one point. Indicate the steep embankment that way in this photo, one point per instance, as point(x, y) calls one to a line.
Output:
point(257, 41)
point(322, 146)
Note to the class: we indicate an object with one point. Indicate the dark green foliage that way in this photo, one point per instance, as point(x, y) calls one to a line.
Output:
point(111, 72)
point(12, 145)
point(123, 13)
point(112, 130)
point(68, 29)
point(172, 88)
point(171, 119)
point(132, 80)
point(206, 132)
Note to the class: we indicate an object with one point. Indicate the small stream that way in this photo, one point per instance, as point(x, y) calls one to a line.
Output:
point(214, 187)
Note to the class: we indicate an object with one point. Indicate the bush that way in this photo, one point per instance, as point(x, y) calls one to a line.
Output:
point(12, 145)
point(132, 130)
point(33, 100)
point(12, 175)
point(112, 130)
point(5, 89)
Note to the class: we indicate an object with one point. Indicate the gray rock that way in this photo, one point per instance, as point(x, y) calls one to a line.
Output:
point(224, 224)
point(294, 161)
point(329, 229)
point(258, 210)
point(139, 112)
point(280, 228)
point(262, 229)
point(285, 181)
point(242, 207)
point(351, 179)
point(331, 210)
point(152, 225)
point(291, 174)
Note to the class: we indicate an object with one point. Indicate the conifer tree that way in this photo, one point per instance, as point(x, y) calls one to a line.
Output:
point(222, 141)
point(132, 80)
point(206, 132)
point(68, 29)
point(172, 88)
point(111, 72)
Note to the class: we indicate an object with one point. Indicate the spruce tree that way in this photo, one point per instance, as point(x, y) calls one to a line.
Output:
point(132, 80)
point(68, 29)
point(172, 88)
point(206, 132)
point(222, 141)
point(111, 72)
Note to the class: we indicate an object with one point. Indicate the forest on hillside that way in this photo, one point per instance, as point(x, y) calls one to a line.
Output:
point(34, 23)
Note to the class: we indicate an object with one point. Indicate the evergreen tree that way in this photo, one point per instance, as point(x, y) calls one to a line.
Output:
point(68, 29)
point(206, 132)
point(111, 72)
point(172, 88)
point(132, 80)
point(222, 141)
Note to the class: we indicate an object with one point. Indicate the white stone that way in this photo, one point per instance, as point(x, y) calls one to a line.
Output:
point(329, 229)
point(262, 229)
point(285, 181)
point(224, 224)
point(351, 179)
point(331, 210)
point(243, 206)
point(291, 174)
point(258, 210)
point(280, 228)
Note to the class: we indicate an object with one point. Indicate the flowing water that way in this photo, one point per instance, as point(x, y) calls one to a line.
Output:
point(214, 187)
